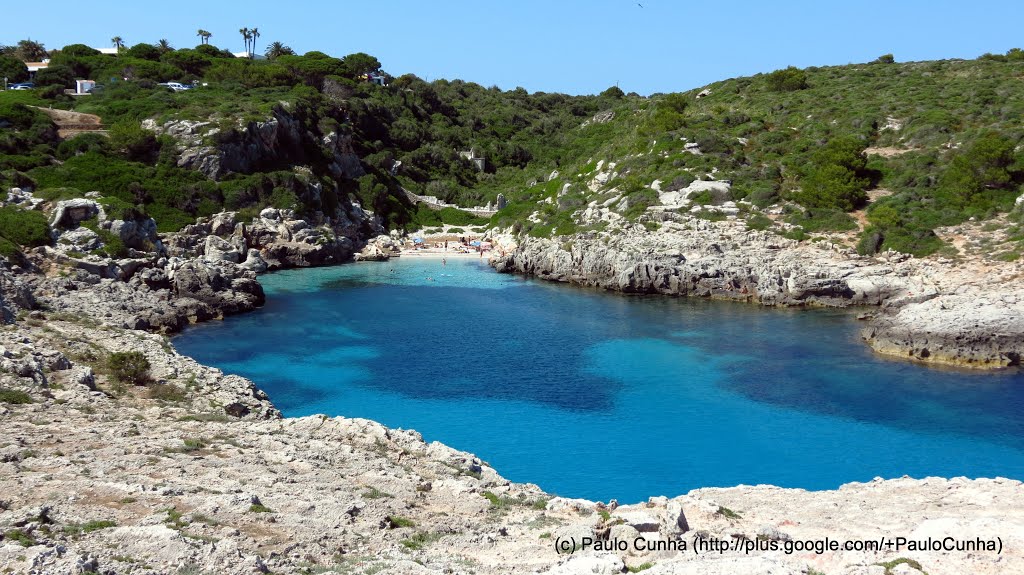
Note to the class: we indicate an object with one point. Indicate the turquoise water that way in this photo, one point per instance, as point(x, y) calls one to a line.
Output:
point(601, 396)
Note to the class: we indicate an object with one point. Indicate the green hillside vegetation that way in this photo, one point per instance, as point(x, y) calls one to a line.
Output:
point(795, 138)
point(799, 137)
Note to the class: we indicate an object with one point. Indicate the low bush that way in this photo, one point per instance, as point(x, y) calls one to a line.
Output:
point(787, 80)
point(129, 367)
point(14, 396)
point(25, 228)
point(822, 220)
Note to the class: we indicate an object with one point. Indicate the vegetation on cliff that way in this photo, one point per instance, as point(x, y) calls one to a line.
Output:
point(942, 137)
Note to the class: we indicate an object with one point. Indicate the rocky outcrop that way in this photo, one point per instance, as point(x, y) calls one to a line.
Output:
point(380, 248)
point(280, 141)
point(736, 264)
point(69, 213)
point(15, 295)
point(930, 311)
point(982, 330)
point(276, 239)
point(155, 297)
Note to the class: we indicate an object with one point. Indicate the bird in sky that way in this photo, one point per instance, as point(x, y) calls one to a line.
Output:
point(639, 4)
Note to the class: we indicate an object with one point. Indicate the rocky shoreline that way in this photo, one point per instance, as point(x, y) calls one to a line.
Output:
point(936, 311)
point(197, 472)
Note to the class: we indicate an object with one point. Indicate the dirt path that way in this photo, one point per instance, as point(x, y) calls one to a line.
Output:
point(70, 124)
point(861, 214)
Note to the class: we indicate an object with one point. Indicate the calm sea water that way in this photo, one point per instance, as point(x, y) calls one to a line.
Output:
point(602, 396)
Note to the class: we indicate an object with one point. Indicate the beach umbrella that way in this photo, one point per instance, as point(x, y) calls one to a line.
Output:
point(485, 245)
point(474, 243)
point(417, 240)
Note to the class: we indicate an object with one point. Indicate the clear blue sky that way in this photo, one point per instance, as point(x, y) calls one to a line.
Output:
point(573, 46)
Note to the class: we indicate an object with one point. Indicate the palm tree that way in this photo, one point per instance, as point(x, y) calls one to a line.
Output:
point(164, 46)
point(276, 49)
point(204, 36)
point(245, 36)
point(255, 32)
point(118, 42)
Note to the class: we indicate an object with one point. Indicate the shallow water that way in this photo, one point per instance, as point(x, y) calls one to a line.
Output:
point(601, 396)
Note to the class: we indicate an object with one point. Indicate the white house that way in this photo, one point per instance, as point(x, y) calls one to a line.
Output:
point(34, 67)
point(83, 87)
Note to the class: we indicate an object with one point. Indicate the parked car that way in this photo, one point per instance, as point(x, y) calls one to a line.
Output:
point(22, 86)
point(177, 87)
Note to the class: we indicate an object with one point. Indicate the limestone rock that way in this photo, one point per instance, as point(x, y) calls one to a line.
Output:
point(254, 261)
point(137, 234)
point(79, 239)
point(220, 250)
point(69, 213)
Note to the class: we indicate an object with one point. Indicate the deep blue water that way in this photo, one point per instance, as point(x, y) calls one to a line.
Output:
point(603, 396)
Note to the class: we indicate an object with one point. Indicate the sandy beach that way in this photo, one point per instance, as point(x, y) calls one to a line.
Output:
point(438, 254)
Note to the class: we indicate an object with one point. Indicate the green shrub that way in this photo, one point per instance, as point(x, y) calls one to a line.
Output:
point(20, 537)
point(822, 220)
point(76, 529)
point(420, 540)
point(129, 367)
point(55, 75)
point(14, 396)
point(8, 249)
point(57, 194)
point(396, 522)
point(167, 392)
point(837, 176)
point(759, 222)
point(83, 143)
point(25, 228)
point(728, 513)
point(990, 163)
point(135, 142)
point(13, 69)
point(639, 202)
point(787, 80)
point(259, 508)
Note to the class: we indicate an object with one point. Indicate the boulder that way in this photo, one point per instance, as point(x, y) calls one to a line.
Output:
point(137, 234)
point(79, 239)
point(254, 261)
point(69, 213)
point(14, 296)
point(220, 250)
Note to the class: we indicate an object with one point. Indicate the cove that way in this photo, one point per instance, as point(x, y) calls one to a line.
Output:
point(602, 396)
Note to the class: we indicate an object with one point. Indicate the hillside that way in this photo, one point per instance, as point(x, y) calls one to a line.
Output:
point(876, 155)
point(934, 143)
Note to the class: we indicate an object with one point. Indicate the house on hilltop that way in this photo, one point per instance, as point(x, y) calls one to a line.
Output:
point(34, 67)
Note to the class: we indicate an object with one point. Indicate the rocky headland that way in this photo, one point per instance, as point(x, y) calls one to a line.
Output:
point(964, 313)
